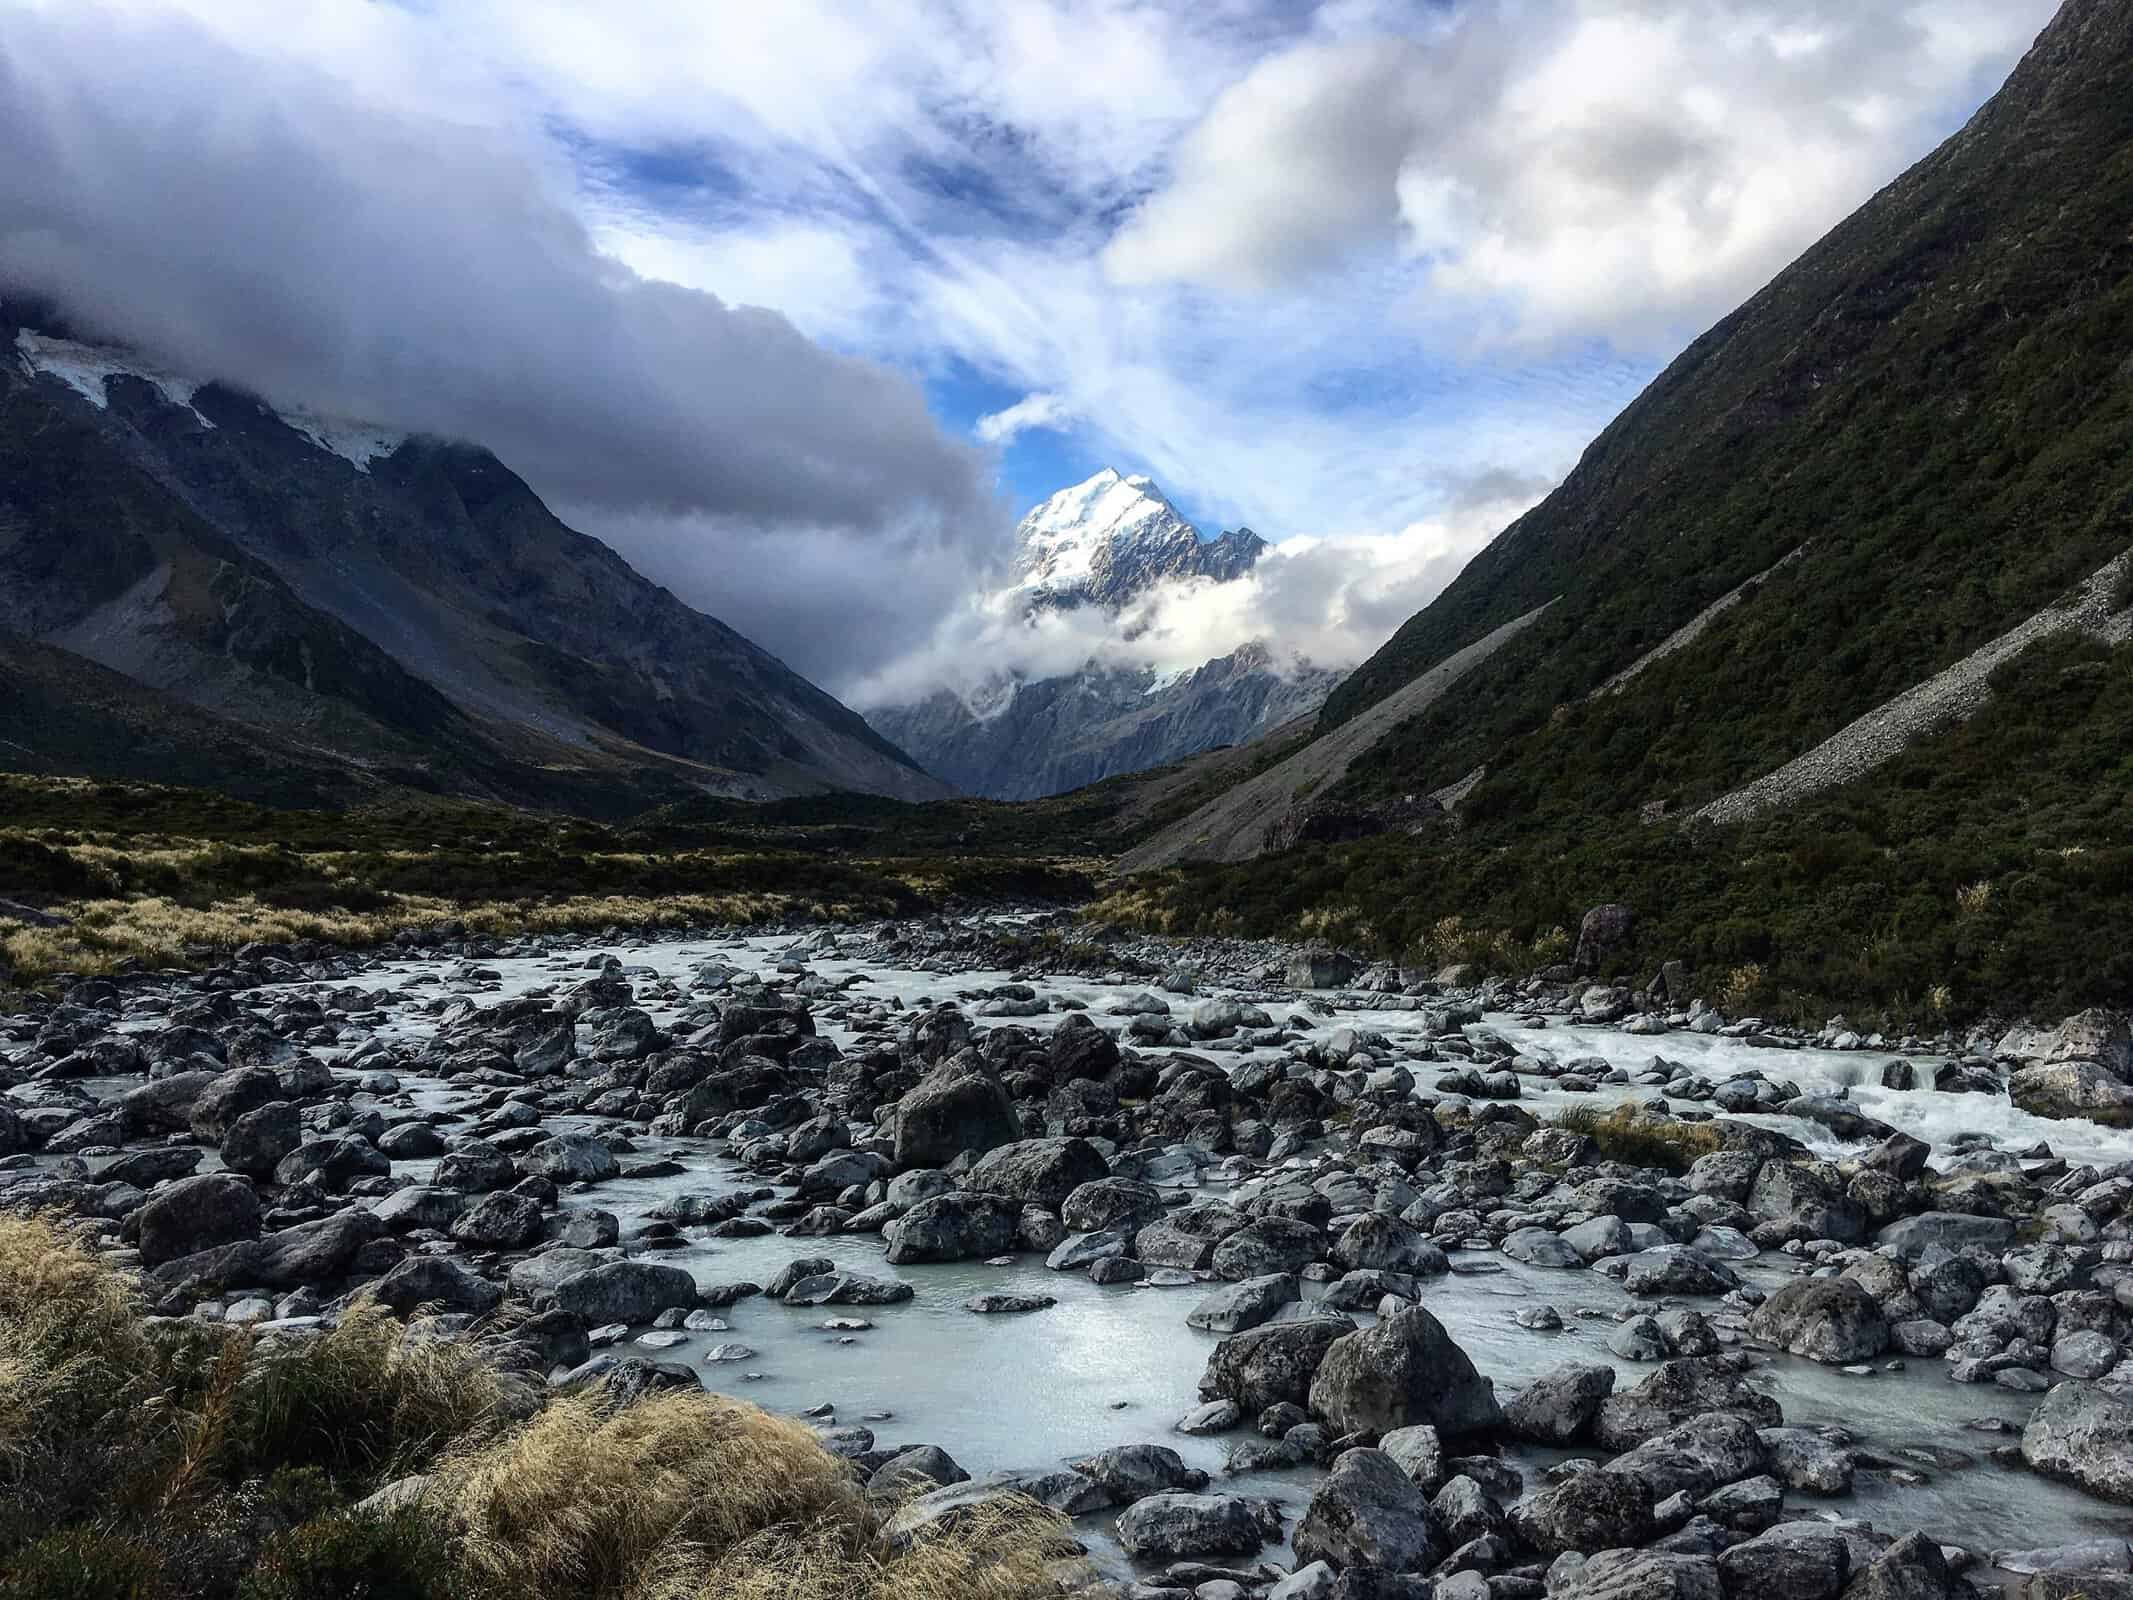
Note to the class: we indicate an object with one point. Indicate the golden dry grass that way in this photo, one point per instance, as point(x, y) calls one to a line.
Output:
point(1627, 1134)
point(684, 1495)
point(140, 1460)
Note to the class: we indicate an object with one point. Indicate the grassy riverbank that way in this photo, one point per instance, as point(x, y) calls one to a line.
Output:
point(157, 1460)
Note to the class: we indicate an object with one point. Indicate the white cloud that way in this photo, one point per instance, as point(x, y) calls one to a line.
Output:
point(1041, 409)
point(1621, 170)
point(1329, 601)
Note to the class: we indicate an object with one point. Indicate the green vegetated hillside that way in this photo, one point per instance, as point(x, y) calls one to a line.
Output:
point(1934, 408)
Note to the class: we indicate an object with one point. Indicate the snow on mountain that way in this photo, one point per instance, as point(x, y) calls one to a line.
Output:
point(1105, 540)
point(86, 368)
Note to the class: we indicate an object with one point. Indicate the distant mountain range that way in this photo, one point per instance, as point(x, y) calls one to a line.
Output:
point(304, 610)
point(1105, 543)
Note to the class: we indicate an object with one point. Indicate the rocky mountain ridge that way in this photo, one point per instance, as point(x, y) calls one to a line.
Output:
point(1105, 543)
point(406, 609)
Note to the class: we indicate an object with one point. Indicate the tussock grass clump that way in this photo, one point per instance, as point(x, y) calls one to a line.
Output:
point(684, 1495)
point(150, 1459)
point(1628, 1134)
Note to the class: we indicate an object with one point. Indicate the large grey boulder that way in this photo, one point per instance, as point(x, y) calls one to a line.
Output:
point(1175, 1525)
point(308, 1253)
point(2078, 1089)
point(625, 1291)
point(1405, 1370)
point(229, 1096)
point(195, 1214)
point(1040, 1172)
point(475, 1167)
point(1271, 1363)
point(1702, 1454)
point(1792, 1561)
point(1130, 1472)
point(438, 1281)
point(420, 1205)
point(1638, 1575)
point(959, 1108)
point(1268, 1245)
point(499, 1221)
point(1107, 1205)
point(1810, 1198)
point(1676, 1392)
point(1245, 1305)
point(1831, 1320)
point(1910, 1569)
point(257, 1140)
point(1954, 1230)
point(571, 1158)
point(1591, 1511)
point(1677, 1269)
point(1376, 1241)
point(957, 1226)
point(1368, 1513)
point(1560, 1406)
point(2083, 1435)
point(1187, 1237)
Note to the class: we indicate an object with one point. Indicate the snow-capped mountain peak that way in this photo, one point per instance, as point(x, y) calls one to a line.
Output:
point(1109, 537)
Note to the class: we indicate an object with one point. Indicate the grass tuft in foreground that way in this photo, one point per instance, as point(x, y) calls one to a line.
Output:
point(147, 1459)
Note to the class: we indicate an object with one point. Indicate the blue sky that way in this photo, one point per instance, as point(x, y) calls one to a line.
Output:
point(800, 306)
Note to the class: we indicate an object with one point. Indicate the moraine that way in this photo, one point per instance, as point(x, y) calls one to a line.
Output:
point(1106, 1364)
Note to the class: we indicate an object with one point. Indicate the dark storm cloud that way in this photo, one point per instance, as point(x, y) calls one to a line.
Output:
point(245, 219)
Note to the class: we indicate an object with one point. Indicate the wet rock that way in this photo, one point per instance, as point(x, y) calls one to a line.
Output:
point(476, 1167)
point(958, 1226)
point(1676, 1392)
point(308, 1253)
point(1803, 1459)
point(420, 1206)
point(2080, 1089)
point(1368, 1513)
point(1187, 1237)
point(631, 1292)
point(499, 1221)
point(1130, 1472)
point(1403, 1371)
point(1831, 1320)
point(436, 1281)
point(1792, 1561)
point(1122, 1205)
point(1246, 1304)
point(1037, 1171)
point(1268, 1245)
point(1274, 1362)
point(1377, 1242)
point(959, 1108)
point(1951, 1230)
point(1638, 1339)
point(1560, 1406)
point(1000, 1302)
point(1912, 1568)
point(571, 1158)
point(256, 1141)
point(1540, 1247)
point(195, 1214)
point(1588, 1511)
point(2083, 1435)
point(1176, 1524)
point(915, 1471)
point(1636, 1575)
point(1677, 1269)
point(1417, 1451)
point(1695, 1458)
point(1808, 1199)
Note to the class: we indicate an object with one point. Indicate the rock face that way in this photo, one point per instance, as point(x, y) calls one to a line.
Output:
point(1368, 1513)
point(2083, 1435)
point(1403, 1371)
point(342, 591)
point(1560, 1406)
point(1831, 1320)
point(1038, 1171)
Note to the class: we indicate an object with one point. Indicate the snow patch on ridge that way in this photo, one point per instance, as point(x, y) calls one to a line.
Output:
point(86, 368)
